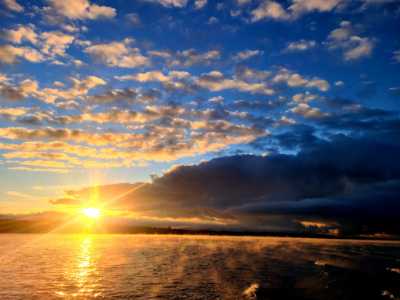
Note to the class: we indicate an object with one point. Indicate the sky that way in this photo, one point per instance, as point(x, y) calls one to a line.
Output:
point(255, 114)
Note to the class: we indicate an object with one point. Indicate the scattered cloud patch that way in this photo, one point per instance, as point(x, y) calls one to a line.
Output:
point(199, 4)
point(396, 56)
point(247, 54)
point(79, 10)
point(118, 54)
point(269, 10)
point(170, 3)
point(354, 47)
point(13, 5)
point(301, 45)
point(296, 80)
point(274, 10)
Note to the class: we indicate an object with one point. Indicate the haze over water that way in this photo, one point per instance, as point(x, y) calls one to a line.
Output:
point(195, 267)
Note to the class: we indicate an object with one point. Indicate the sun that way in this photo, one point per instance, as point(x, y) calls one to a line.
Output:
point(91, 212)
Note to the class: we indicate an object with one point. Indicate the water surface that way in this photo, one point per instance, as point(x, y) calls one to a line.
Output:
point(195, 267)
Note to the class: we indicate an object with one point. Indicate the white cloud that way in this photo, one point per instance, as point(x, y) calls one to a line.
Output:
point(300, 7)
point(301, 45)
point(191, 57)
point(215, 81)
point(81, 9)
point(73, 28)
point(243, 2)
point(342, 33)
point(20, 34)
point(353, 46)
point(147, 77)
point(304, 97)
point(133, 18)
point(170, 3)
point(172, 80)
point(3, 78)
point(13, 5)
point(339, 83)
point(118, 54)
point(199, 4)
point(30, 88)
point(361, 47)
point(297, 80)
point(286, 121)
point(246, 54)
point(14, 112)
point(396, 55)
point(305, 110)
point(9, 54)
point(49, 44)
point(55, 42)
point(212, 20)
point(269, 10)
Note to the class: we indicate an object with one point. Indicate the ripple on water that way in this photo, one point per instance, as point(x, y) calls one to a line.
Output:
point(193, 267)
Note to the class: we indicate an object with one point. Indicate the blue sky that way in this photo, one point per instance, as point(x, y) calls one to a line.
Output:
point(100, 92)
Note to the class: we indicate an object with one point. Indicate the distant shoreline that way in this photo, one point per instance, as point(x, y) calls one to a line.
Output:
point(186, 232)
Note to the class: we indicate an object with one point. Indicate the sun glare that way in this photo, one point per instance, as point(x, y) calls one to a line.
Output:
point(91, 212)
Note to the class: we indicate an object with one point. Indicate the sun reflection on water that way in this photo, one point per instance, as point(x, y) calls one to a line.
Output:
point(82, 272)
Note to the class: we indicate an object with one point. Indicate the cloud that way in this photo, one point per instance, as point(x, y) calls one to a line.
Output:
point(246, 54)
point(10, 54)
point(245, 80)
point(118, 54)
point(192, 57)
point(13, 5)
point(215, 81)
point(274, 10)
point(300, 7)
point(304, 97)
point(12, 113)
point(55, 43)
point(363, 47)
point(269, 10)
point(199, 4)
point(301, 45)
point(396, 55)
point(133, 18)
point(49, 44)
point(174, 80)
point(326, 183)
point(246, 73)
point(19, 195)
point(354, 47)
point(296, 80)
point(155, 132)
point(395, 91)
point(20, 34)
point(170, 3)
point(305, 110)
point(160, 143)
point(251, 291)
point(243, 2)
point(80, 10)
point(30, 88)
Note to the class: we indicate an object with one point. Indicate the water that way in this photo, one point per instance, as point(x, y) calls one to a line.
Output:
point(195, 267)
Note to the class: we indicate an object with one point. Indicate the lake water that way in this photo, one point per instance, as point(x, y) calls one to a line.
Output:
point(195, 267)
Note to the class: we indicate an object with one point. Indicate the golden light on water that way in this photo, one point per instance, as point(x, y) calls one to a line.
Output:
point(91, 212)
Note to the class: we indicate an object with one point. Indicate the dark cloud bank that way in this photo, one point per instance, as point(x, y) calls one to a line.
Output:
point(348, 183)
